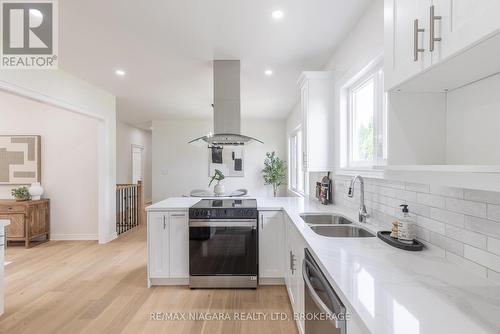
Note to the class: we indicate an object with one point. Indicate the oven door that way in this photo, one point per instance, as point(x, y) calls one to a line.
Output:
point(226, 247)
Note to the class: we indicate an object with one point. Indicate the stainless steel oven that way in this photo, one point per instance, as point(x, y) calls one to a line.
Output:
point(324, 311)
point(223, 244)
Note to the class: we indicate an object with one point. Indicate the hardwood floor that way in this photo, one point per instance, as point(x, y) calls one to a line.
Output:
point(82, 287)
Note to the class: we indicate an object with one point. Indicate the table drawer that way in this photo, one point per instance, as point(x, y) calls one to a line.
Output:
point(12, 208)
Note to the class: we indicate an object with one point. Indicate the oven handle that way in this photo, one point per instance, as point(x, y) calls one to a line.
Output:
point(314, 296)
point(223, 223)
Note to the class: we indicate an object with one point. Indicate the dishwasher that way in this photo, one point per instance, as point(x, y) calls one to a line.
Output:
point(324, 311)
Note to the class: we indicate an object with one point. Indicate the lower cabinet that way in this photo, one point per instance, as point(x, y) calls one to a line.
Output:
point(271, 244)
point(168, 245)
point(294, 247)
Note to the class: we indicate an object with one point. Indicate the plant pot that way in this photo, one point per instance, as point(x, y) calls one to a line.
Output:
point(36, 191)
point(22, 199)
point(219, 189)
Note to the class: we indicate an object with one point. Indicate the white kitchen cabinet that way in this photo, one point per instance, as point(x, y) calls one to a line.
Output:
point(455, 27)
point(295, 245)
point(168, 245)
point(316, 103)
point(406, 40)
point(271, 244)
point(158, 245)
point(179, 245)
point(462, 24)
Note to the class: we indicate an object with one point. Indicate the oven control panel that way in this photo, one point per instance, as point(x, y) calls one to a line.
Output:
point(223, 213)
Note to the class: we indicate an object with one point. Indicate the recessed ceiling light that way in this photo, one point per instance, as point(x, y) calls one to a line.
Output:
point(268, 72)
point(277, 14)
point(120, 73)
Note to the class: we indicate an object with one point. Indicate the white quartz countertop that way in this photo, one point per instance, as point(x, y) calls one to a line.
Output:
point(388, 289)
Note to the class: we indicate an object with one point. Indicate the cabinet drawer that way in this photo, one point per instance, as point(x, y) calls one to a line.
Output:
point(12, 208)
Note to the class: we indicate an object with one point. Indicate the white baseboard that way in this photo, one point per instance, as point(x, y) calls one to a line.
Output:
point(271, 281)
point(73, 237)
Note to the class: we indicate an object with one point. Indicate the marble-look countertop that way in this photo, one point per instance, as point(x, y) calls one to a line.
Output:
point(388, 289)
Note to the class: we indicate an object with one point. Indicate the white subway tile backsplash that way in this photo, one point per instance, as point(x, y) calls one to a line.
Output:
point(447, 191)
point(493, 275)
point(406, 195)
point(482, 257)
point(467, 237)
point(448, 244)
point(448, 217)
point(431, 200)
point(421, 188)
point(460, 224)
point(484, 226)
point(432, 225)
point(466, 207)
point(494, 245)
point(482, 196)
point(494, 212)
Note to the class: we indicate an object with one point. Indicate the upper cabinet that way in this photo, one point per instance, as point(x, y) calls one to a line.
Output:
point(450, 41)
point(317, 103)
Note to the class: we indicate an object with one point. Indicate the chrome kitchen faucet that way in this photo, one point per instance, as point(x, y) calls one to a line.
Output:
point(363, 214)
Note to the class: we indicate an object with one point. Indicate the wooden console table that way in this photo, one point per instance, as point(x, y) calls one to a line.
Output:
point(29, 220)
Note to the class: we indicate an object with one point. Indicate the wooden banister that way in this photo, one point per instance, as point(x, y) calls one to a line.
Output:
point(129, 206)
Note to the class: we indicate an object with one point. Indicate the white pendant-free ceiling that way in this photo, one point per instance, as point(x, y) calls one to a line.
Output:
point(166, 49)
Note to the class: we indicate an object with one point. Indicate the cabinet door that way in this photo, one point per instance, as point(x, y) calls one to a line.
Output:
point(271, 244)
point(402, 39)
point(463, 22)
point(179, 245)
point(158, 245)
point(298, 285)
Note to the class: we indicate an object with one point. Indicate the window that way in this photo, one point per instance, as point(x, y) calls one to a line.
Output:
point(365, 119)
point(296, 175)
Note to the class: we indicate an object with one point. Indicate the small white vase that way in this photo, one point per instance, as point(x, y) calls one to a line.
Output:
point(219, 189)
point(36, 191)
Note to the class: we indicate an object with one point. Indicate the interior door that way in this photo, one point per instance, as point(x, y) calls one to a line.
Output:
point(137, 163)
point(463, 22)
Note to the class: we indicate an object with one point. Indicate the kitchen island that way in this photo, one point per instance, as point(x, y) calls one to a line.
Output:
point(385, 290)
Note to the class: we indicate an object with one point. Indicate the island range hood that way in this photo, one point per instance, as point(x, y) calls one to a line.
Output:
point(227, 114)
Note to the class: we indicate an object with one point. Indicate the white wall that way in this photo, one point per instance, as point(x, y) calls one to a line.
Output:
point(126, 136)
point(473, 119)
point(56, 87)
point(69, 162)
point(179, 167)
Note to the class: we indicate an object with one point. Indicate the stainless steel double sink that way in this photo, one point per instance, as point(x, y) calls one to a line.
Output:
point(334, 226)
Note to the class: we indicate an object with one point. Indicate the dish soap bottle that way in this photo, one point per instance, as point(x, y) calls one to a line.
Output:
point(406, 226)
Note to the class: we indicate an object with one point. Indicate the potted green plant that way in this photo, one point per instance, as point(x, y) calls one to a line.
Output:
point(274, 171)
point(218, 176)
point(21, 194)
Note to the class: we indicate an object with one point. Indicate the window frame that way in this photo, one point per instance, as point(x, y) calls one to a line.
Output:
point(298, 168)
point(373, 71)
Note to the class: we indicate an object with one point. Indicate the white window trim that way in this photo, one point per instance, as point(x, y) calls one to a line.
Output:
point(346, 167)
point(299, 167)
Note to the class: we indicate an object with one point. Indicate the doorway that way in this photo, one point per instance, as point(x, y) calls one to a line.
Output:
point(137, 163)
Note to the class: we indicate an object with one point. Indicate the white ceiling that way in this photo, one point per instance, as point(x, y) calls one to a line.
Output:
point(166, 48)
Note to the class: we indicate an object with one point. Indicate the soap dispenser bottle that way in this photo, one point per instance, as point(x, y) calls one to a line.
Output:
point(406, 226)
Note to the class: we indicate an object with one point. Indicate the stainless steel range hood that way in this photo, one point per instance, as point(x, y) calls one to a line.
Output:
point(227, 114)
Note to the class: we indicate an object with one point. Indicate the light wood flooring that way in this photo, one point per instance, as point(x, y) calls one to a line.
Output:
point(82, 287)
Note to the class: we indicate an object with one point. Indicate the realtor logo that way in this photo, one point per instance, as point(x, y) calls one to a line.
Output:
point(28, 34)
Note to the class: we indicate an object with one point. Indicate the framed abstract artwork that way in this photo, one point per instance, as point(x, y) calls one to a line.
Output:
point(20, 160)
